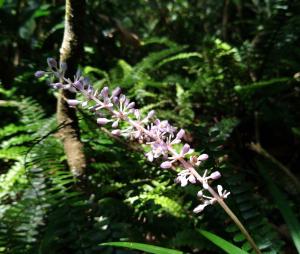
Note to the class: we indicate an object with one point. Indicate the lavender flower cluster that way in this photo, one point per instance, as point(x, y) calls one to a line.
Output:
point(116, 109)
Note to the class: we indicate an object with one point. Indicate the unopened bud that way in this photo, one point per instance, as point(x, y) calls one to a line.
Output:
point(115, 100)
point(131, 105)
point(151, 114)
point(205, 185)
point(137, 114)
point(115, 124)
point(51, 62)
point(116, 132)
point(104, 92)
point(39, 74)
point(215, 175)
point(116, 91)
point(199, 208)
point(203, 157)
point(185, 149)
point(180, 134)
point(122, 98)
point(73, 103)
point(102, 121)
point(192, 179)
point(166, 164)
point(78, 85)
point(200, 194)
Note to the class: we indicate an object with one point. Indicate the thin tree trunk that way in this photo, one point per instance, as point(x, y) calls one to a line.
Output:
point(70, 53)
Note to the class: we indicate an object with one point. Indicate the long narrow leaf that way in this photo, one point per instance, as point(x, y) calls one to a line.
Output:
point(281, 201)
point(143, 247)
point(221, 243)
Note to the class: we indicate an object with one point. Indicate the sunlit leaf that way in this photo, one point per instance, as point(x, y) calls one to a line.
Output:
point(221, 243)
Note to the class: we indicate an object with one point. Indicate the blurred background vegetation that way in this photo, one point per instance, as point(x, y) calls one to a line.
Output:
point(227, 72)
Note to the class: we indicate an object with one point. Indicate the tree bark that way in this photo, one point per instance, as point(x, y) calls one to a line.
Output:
point(70, 53)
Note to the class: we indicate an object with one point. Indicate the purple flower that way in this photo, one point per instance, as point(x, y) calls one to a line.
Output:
point(160, 135)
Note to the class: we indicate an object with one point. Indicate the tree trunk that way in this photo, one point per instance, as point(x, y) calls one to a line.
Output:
point(70, 52)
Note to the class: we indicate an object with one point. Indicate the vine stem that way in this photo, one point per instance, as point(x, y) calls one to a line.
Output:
point(187, 165)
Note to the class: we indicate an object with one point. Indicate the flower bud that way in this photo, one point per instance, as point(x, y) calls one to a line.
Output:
point(115, 100)
point(102, 121)
point(183, 182)
point(104, 92)
point(203, 157)
point(115, 124)
point(116, 92)
point(199, 208)
point(151, 114)
point(215, 175)
point(200, 194)
point(126, 102)
point(180, 134)
point(51, 62)
point(78, 85)
point(39, 74)
point(166, 164)
point(192, 179)
point(185, 149)
point(73, 103)
point(137, 114)
point(116, 132)
point(149, 156)
point(122, 98)
point(131, 105)
point(205, 185)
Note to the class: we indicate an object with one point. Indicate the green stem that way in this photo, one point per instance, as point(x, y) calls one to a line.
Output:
point(225, 207)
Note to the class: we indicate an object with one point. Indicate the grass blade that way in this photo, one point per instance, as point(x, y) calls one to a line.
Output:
point(142, 247)
point(221, 243)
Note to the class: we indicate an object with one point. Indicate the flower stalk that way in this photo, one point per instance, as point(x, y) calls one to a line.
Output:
point(161, 137)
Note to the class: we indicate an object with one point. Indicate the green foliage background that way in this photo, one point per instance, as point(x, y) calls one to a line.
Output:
point(225, 71)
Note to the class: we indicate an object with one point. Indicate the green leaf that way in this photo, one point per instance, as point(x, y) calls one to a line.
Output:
point(143, 247)
point(287, 213)
point(223, 244)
